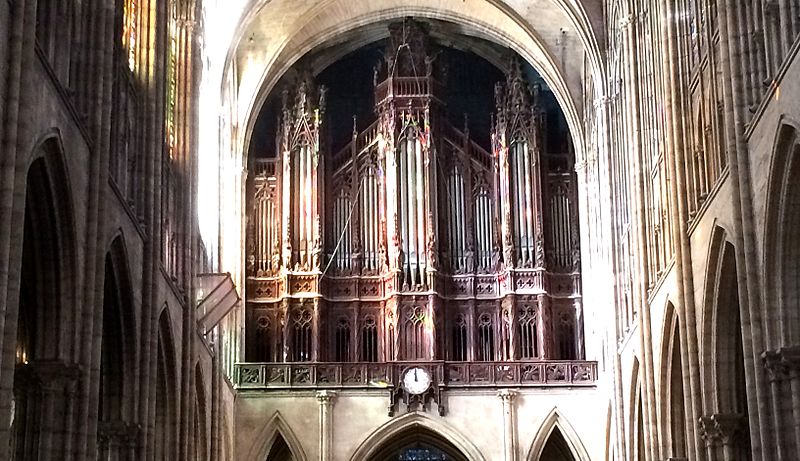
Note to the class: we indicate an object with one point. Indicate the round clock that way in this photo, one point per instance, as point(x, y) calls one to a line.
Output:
point(416, 380)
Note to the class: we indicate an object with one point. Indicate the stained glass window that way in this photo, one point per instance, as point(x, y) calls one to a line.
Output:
point(130, 30)
point(422, 454)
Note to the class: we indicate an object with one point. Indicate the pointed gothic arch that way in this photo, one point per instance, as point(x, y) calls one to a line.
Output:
point(44, 350)
point(117, 350)
point(276, 430)
point(637, 446)
point(723, 354)
point(166, 414)
point(673, 389)
point(389, 433)
point(781, 241)
point(557, 436)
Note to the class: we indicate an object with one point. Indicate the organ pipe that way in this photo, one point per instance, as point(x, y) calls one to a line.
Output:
point(383, 223)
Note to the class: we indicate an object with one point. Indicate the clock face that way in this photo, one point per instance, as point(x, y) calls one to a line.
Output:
point(416, 380)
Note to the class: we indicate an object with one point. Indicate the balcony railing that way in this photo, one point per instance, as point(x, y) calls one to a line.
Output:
point(545, 373)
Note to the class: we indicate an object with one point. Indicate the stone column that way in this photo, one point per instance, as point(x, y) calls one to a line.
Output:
point(510, 445)
point(325, 399)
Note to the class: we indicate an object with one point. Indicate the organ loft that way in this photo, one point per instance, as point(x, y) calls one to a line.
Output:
point(414, 242)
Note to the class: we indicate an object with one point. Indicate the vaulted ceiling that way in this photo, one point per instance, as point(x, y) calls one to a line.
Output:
point(561, 39)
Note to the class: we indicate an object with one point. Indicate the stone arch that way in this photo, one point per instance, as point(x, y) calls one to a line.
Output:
point(165, 411)
point(49, 238)
point(411, 422)
point(724, 382)
point(556, 425)
point(117, 352)
point(781, 241)
point(45, 312)
point(637, 448)
point(276, 429)
point(673, 389)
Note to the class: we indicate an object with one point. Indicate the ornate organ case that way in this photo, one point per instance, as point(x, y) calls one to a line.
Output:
point(413, 242)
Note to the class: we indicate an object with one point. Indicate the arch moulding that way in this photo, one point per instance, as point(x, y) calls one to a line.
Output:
point(275, 427)
point(384, 434)
point(551, 421)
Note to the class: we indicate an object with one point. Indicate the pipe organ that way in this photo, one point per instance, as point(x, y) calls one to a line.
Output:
point(413, 242)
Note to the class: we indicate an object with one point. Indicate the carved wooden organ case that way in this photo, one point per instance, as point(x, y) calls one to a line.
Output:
point(413, 242)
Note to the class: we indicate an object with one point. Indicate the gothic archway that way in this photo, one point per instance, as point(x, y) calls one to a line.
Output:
point(728, 353)
point(418, 444)
point(557, 440)
point(416, 431)
point(672, 386)
point(44, 354)
point(269, 444)
point(113, 431)
point(165, 411)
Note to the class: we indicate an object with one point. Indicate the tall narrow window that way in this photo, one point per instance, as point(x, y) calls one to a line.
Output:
point(414, 333)
point(485, 337)
point(369, 340)
point(343, 340)
point(130, 31)
point(528, 336)
point(263, 340)
point(301, 336)
point(172, 88)
point(459, 339)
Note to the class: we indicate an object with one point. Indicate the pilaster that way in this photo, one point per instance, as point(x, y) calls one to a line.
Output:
point(510, 443)
point(325, 398)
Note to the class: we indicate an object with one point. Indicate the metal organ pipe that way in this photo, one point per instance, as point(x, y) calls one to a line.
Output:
point(420, 209)
point(530, 210)
point(462, 227)
point(404, 210)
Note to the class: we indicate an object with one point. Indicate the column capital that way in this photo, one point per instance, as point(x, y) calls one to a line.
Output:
point(507, 395)
point(728, 426)
point(708, 431)
point(720, 428)
point(325, 397)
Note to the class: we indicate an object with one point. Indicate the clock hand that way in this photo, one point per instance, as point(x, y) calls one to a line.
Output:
point(415, 375)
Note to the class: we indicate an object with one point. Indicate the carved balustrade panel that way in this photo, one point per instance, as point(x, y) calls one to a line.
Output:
point(453, 375)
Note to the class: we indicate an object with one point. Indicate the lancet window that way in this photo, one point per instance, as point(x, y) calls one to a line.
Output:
point(342, 347)
point(460, 342)
point(369, 339)
point(301, 336)
point(130, 31)
point(528, 332)
point(415, 338)
point(486, 330)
